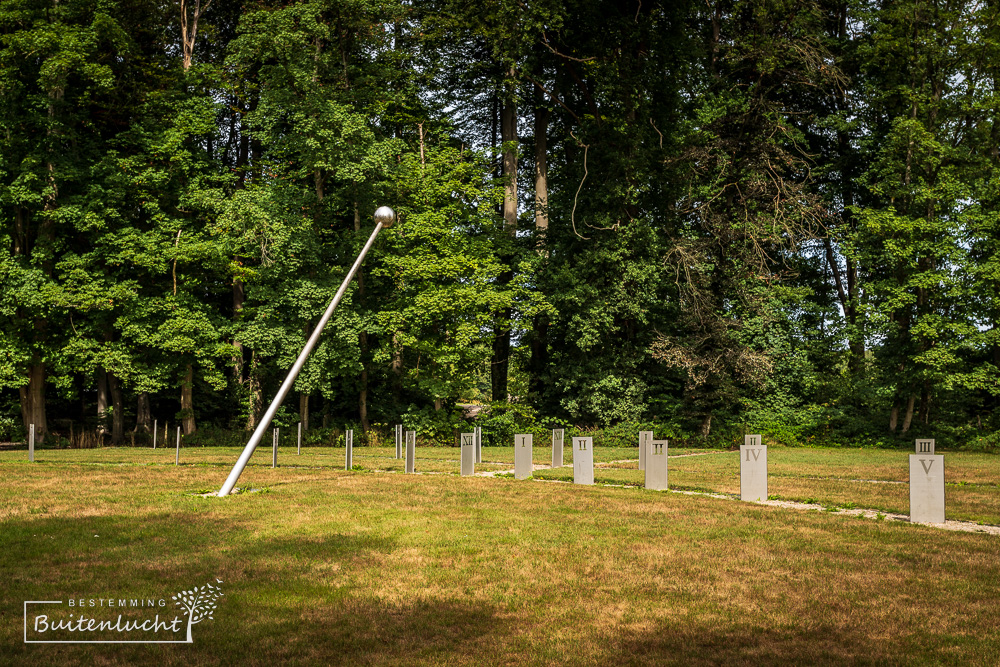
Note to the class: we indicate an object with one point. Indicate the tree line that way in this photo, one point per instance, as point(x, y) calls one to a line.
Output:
point(777, 214)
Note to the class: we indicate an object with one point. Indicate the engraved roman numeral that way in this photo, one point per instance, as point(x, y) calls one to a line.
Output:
point(927, 464)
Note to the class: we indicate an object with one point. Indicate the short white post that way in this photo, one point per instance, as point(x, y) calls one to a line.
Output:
point(31, 444)
point(926, 484)
point(645, 437)
point(298, 451)
point(558, 435)
point(177, 456)
point(154, 433)
point(523, 464)
point(399, 441)
point(753, 468)
point(274, 449)
point(657, 473)
point(349, 447)
point(583, 460)
point(411, 451)
point(468, 457)
point(478, 434)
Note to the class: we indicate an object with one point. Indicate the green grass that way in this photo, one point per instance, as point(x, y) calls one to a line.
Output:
point(335, 567)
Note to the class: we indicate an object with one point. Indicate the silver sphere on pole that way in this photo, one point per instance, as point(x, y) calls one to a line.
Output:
point(385, 216)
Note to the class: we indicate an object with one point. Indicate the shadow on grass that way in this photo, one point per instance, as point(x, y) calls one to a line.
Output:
point(738, 644)
point(297, 598)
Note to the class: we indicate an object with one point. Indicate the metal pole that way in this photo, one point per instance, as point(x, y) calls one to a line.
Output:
point(177, 457)
point(154, 433)
point(274, 449)
point(31, 444)
point(299, 450)
point(349, 449)
point(384, 217)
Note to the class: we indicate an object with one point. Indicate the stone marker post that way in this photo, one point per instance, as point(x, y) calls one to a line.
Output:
point(523, 443)
point(468, 442)
point(558, 434)
point(478, 433)
point(154, 434)
point(399, 441)
point(656, 464)
point(753, 468)
point(583, 460)
point(177, 455)
point(31, 444)
point(411, 450)
point(349, 447)
point(926, 484)
point(298, 448)
point(645, 437)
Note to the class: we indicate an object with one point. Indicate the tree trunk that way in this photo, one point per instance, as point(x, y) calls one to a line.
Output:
point(500, 367)
point(706, 425)
point(362, 338)
point(541, 174)
point(117, 412)
point(893, 417)
point(539, 337)
point(254, 404)
point(397, 368)
point(304, 410)
point(909, 412)
point(102, 399)
point(925, 403)
point(238, 297)
point(143, 415)
point(33, 401)
point(187, 401)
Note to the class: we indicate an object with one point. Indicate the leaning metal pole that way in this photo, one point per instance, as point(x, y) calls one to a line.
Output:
point(384, 217)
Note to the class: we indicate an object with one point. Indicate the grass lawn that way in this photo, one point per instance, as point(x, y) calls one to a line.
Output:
point(332, 567)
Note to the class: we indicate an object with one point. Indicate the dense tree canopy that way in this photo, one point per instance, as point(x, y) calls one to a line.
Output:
point(781, 215)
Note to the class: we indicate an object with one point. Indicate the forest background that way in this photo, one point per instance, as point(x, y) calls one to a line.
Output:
point(703, 217)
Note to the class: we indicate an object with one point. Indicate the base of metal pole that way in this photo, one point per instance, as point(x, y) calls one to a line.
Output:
point(31, 444)
point(177, 457)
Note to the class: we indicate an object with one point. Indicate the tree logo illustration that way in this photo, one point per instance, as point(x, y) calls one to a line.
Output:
point(200, 603)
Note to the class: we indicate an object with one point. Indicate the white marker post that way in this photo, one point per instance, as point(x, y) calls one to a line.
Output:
point(645, 437)
point(523, 443)
point(298, 450)
point(154, 434)
point(583, 460)
point(274, 449)
point(384, 217)
point(411, 451)
point(349, 449)
point(31, 444)
point(926, 484)
point(477, 432)
point(558, 435)
point(468, 444)
point(177, 456)
point(656, 464)
point(399, 441)
point(753, 468)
